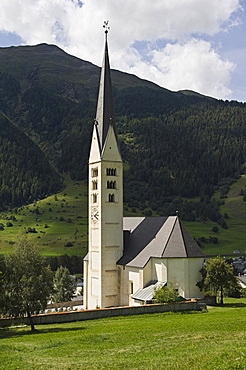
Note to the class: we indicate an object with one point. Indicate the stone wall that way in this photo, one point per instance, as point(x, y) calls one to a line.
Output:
point(62, 317)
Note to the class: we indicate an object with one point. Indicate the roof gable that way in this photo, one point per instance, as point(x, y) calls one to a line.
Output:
point(95, 147)
point(157, 237)
point(111, 149)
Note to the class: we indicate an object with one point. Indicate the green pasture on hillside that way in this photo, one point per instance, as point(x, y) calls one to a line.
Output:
point(60, 222)
point(197, 340)
point(233, 238)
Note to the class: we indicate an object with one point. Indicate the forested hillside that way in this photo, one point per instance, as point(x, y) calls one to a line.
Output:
point(25, 172)
point(173, 144)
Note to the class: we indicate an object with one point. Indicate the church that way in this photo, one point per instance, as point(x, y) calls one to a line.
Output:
point(128, 257)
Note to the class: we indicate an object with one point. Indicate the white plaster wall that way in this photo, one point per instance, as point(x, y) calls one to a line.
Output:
point(111, 234)
point(135, 276)
point(85, 290)
point(176, 274)
point(184, 273)
point(94, 236)
point(124, 287)
point(194, 275)
point(158, 269)
point(105, 236)
point(95, 260)
point(147, 273)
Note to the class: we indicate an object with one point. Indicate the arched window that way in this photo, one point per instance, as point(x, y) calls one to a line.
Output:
point(111, 198)
point(94, 185)
point(94, 172)
point(94, 198)
point(111, 184)
point(111, 171)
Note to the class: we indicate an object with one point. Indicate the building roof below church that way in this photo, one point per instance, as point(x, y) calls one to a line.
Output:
point(146, 294)
point(156, 237)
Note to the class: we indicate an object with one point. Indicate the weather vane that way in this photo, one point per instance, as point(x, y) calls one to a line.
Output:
point(106, 26)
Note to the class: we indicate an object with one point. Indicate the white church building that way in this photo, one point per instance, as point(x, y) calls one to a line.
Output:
point(129, 256)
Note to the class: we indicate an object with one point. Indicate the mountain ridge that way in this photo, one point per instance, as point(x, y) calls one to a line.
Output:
point(199, 140)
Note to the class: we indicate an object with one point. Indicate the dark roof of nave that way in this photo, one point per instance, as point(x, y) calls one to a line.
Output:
point(156, 237)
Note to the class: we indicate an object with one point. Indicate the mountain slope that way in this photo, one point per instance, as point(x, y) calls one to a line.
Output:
point(173, 143)
point(25, 172)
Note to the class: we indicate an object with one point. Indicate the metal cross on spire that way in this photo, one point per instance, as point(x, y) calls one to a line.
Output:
point(106, 26)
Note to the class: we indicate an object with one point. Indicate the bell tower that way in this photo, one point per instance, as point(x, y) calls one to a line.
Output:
point(105, 181)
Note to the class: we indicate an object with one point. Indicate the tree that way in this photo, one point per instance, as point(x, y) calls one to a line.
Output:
point(28, 281)
point(165, 294)
point(64, 285)
point(215, 229)
point(218, 275)
point(2, 295)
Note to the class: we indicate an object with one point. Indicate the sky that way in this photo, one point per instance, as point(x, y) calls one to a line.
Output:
point(179, 44)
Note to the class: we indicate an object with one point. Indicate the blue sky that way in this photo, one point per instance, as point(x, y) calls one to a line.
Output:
point(178, 44)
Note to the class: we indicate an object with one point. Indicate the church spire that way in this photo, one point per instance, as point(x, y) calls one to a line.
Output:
point(105, 108)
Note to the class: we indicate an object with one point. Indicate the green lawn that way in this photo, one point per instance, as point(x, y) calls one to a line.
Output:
point(203, 340)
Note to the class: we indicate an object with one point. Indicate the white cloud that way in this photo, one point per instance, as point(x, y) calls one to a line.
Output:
point(194, 65)
point(77, 29)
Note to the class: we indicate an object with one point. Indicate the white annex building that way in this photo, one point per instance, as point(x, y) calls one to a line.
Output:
point(128, 257)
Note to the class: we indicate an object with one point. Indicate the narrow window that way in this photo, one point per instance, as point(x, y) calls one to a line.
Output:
point(111, 171)
point(111, 198)
point(111, 184)
point(94, 172)
point(94, 198)
point(131, 287)
point(94, 185)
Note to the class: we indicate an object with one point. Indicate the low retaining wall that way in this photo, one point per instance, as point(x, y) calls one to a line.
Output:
point(62, 317)
point(210, 301)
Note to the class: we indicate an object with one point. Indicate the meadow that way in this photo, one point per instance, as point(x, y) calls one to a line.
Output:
point(233, 238)
point(56, 224)
point(60, 222)
point(196, 340)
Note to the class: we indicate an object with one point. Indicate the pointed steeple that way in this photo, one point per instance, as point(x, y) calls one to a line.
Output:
point(105, 107)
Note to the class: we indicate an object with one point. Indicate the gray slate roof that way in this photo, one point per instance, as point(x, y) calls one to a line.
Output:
point(242, 278)
point(156, 237)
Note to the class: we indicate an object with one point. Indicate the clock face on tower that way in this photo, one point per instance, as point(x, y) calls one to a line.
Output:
point(94, 214)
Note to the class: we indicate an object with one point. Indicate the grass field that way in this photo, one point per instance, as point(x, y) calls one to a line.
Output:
point(200, 340)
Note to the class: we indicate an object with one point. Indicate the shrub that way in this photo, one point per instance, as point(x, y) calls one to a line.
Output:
point(215, 229)
point(165, 294)
point(68, 244)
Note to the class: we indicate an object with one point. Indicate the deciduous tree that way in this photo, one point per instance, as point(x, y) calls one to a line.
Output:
point(218, 275)
point(28, 281)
